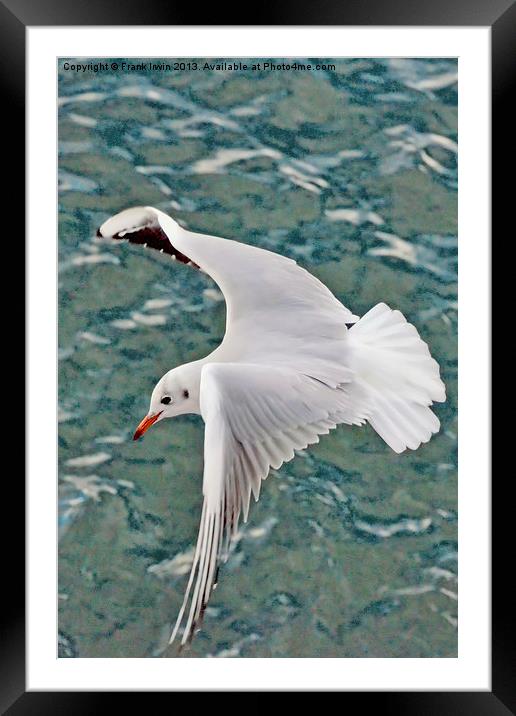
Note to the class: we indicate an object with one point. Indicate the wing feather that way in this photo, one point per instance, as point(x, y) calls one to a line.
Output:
point(274, 308)
point(256, 417)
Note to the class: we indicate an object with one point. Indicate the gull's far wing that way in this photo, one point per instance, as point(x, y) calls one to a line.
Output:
point(255, 416)
point(262, 288)
point(275, 308)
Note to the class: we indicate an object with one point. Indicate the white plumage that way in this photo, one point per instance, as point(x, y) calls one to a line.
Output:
point(288, 370)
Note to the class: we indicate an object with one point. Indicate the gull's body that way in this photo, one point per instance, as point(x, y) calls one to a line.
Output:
point(288, 370)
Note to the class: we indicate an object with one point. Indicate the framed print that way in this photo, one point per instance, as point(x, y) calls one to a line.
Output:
point(277, 234)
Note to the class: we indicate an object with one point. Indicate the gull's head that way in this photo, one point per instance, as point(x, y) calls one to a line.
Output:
point(177, 393)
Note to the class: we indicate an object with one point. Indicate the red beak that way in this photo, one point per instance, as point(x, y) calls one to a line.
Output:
point(145, 425)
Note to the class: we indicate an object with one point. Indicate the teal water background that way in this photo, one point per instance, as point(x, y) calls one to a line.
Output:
point(352, 171)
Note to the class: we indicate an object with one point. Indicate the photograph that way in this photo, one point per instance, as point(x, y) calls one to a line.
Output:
point(257, 357)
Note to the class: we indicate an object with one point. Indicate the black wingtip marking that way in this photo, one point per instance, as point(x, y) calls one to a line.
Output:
point(154, 237)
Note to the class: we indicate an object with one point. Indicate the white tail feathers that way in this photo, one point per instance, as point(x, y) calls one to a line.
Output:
point(394, 366)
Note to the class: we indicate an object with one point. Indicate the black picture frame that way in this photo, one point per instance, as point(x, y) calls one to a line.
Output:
point(15, 17)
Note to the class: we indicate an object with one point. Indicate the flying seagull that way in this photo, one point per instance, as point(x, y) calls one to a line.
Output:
point(294, 363)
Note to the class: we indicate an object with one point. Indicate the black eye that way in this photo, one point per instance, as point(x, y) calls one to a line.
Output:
point(185, 394)
point(166, 400)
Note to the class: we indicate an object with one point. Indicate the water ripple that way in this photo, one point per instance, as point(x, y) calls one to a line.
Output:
point(351, 551)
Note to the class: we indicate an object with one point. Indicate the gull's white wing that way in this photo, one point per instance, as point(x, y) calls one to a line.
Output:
point(255, 416)
point(276, 311)
point(255, 282)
